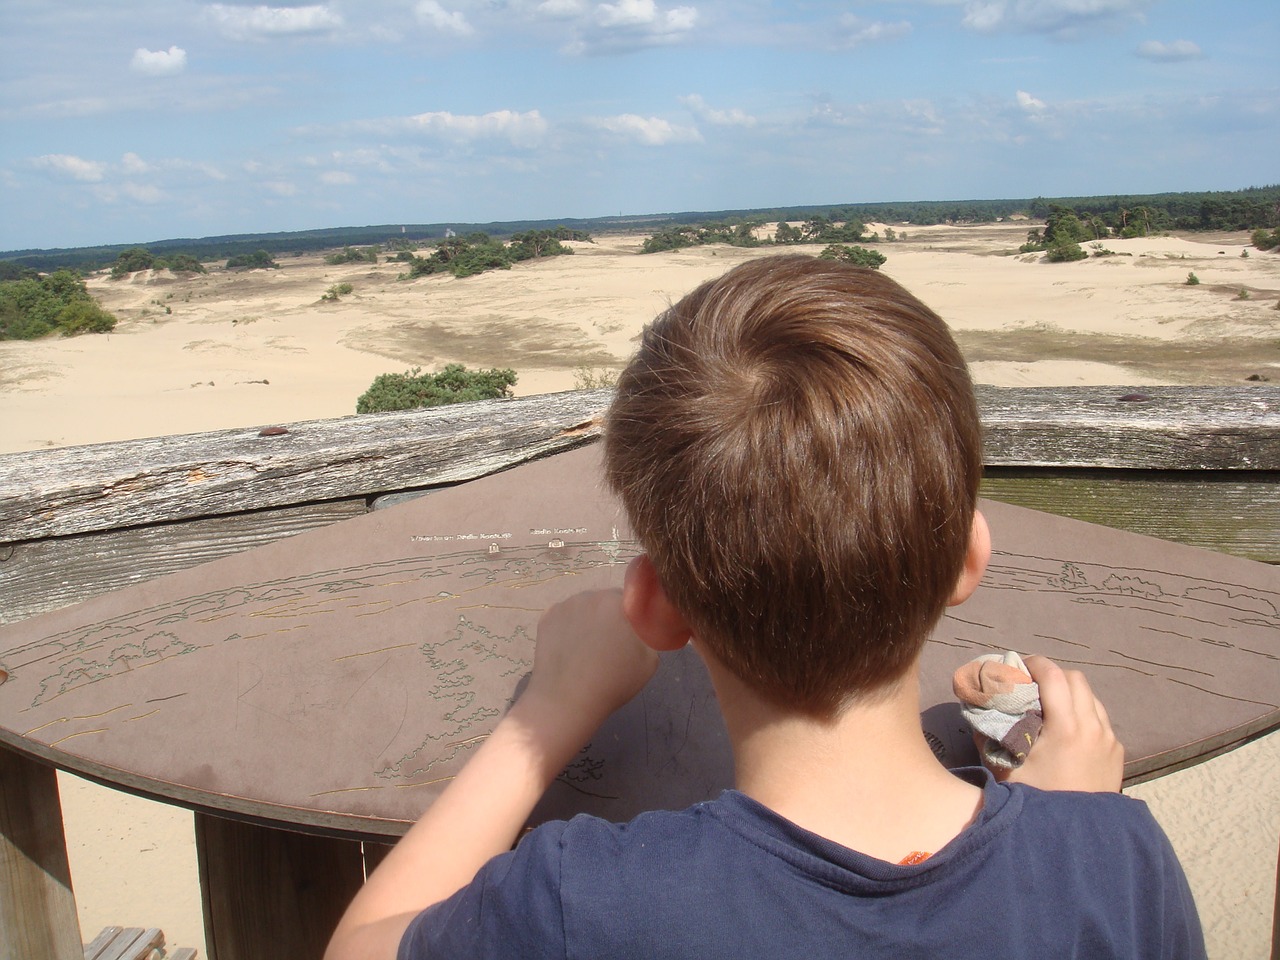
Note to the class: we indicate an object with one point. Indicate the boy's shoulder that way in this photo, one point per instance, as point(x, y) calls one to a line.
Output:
point(730, 878)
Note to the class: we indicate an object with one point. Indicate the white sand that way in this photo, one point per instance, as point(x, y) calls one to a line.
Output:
point(1109, 320)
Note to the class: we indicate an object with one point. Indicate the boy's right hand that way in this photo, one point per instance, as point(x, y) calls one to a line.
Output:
point(1076, 749)
point(588, 661)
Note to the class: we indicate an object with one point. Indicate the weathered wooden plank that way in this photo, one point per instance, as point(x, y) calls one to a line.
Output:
point(1151, 428)
point(43, 575)
point(108, 486)
point(111, 486)
point(272, 893)
point(129, 943)
point(1236, 513)
point(37, 909)
point(105, 936)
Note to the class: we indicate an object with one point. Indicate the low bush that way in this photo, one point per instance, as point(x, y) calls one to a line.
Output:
point(84, 316)
point(33, 307)
point(258, 260)
point(858, 256)
point(334, 292)
point(1064, 251)
point(414, 389)
point(353, 255)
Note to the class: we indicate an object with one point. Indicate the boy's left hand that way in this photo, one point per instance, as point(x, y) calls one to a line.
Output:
point(1076, 749)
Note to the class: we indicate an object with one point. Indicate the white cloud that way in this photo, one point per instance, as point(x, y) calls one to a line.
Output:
point(337, 178)
point(133, 164)
point(626, 12)
point(281, 188)
point(561, 8)
point(1029, 103)
point(431, 13)
point(632, 25)
point(1169, 52)
point(1064, 19)
point(142, 192)
point(158, 63)
point(521, 129)
point(88, 171)
point(651, 131)
point(721, 118)
point(259, 23)
point(853, 31)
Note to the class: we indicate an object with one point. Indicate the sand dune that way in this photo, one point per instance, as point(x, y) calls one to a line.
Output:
point(230, 350)
point(244, 349)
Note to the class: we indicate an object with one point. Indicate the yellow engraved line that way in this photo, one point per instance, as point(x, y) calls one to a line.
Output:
point(43, 725)
point(423, 783)
point(72, 736)
point(91, 716)
point(398, 786)
point(501, 606)
point(94, 716)
point(329, 793)
point(388, 604)
point(143, 716)
point(369, 653)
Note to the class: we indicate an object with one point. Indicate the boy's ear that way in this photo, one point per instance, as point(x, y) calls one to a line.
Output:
point(975, 560)
point(646, 606)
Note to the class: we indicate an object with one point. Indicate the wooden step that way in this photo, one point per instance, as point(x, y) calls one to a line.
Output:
point(133, 943)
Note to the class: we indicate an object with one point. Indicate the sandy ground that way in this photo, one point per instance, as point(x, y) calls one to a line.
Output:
point(240, 350)
point(245, 349)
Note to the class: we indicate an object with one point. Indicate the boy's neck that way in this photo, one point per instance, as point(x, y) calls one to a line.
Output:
point(865, 779)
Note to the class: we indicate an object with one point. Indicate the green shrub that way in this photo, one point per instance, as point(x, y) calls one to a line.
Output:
point(589, 378)
point(131, 261)
point(858, 256)
point(258, 260)
point(35, 306)
point(414, 389)
point(1064, 251)
point(353, 255)
point(184, 263)
point(1192, 280)
point(84, 316)
point(337, 290)
point(1264, 240)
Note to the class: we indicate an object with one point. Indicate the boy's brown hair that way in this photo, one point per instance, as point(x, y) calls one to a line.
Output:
point(798, 449)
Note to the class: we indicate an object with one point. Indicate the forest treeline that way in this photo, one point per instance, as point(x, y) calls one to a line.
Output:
point(1249, 209)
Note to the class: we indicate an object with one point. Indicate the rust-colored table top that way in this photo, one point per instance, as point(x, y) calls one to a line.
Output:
point(336, 680)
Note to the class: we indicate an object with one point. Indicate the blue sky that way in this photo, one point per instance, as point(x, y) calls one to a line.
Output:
point(132, 121)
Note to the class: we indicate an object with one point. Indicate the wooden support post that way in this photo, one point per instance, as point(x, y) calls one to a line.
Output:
point(37, 908)
point(272, 893)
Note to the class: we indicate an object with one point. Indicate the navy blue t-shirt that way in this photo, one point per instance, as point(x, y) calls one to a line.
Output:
point(1037, 875)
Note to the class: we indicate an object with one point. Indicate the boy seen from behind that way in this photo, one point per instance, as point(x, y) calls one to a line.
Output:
point(798, 449)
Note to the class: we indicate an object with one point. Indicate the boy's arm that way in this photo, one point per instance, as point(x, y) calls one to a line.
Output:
point(588, 663)
point(1076, 749)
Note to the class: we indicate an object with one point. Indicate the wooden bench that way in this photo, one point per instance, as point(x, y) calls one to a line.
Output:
point(133, 943)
